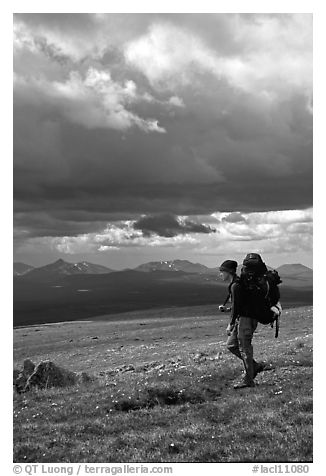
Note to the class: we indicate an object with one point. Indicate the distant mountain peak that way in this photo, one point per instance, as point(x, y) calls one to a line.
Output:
point(61, 267)
point(174, 265)
point(21, 268)
point(295, 269)
point(296, 265)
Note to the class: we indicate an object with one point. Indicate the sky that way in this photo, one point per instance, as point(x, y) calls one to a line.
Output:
point(141, 137)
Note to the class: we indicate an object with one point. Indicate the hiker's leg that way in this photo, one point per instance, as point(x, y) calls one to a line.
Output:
point(232, 343)
point(246, 329)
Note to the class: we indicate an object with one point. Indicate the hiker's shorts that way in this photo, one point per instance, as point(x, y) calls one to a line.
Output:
point(241, 335)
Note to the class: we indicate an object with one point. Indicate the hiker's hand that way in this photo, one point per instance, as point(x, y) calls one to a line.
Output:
point(276, 310)
point(222, 308)
point(229, 329)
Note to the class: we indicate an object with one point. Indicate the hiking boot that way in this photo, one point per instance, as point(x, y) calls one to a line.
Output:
point(258, 367)
point(243, 384)
point(261, 367)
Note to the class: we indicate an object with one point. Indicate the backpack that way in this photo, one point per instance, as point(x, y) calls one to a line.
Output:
point(254, 264)
point(259, 289)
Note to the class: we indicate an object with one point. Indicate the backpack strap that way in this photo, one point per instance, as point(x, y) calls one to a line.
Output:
point(268, 288)
point(227, 298)
point(277, 327)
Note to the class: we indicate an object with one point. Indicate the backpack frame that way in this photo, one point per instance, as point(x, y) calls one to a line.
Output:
point(259, 294)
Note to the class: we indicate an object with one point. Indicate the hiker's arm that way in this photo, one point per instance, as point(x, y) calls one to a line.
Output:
point(235, 299)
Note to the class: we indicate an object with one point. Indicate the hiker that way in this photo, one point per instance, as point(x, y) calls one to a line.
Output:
point(245, 313)
point(228, 271)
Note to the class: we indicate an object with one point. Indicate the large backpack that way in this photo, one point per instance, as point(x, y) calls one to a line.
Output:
point(259, 289)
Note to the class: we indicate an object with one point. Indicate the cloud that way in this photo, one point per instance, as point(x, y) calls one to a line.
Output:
point(169, 225)
point(176, 101)
point(79, 236)
point(234, 217)
point(76, 207)
point(112, 237)
point(275, 231)
point(120, 116)
point(95, 101)
point(73, 35)
point(281, 217)
point(263, 225)
point(268, 234)
point(169, 55)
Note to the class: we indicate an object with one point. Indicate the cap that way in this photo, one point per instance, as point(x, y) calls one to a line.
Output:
point(229, 265)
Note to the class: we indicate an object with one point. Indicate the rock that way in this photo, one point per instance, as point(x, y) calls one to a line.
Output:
point(21, 378)
point(216, 357)
point(20, 383)
point(175, 360)
point(172, 448)
point(111, 372)
point(28, 367)
point(47, 374)
point(148, 366)
point(83, 377)
point(16, 373)
point(200, 357)
point(127, 368)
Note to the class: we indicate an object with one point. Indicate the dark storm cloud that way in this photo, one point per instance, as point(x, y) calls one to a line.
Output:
point(72, 211)
point(90, 148)
point(39, 224)
point(168, 225)
point(79, 206)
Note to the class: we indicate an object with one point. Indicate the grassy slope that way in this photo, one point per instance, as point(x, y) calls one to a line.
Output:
point(181, 403)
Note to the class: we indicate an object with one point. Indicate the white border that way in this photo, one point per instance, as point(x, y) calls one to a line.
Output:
point(319, 184)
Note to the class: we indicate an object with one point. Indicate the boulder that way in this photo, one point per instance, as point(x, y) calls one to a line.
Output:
point(16, 373)
point(28, 367)
point(47, 374)
point(21, 376)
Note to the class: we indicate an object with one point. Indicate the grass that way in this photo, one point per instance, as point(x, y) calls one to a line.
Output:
point(180, 407)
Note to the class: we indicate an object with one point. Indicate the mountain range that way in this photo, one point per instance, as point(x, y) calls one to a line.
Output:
point(63, 291)
point(61, 268)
